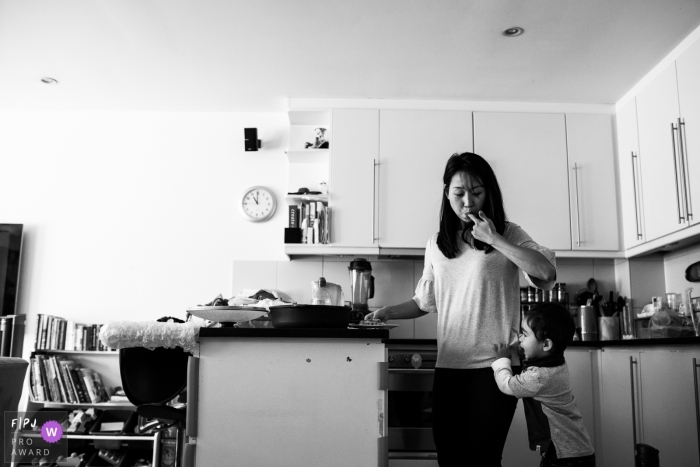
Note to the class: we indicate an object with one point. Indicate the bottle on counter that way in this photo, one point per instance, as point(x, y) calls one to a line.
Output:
point(321, 296)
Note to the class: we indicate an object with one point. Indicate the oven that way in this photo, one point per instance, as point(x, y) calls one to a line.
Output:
point(411, 373)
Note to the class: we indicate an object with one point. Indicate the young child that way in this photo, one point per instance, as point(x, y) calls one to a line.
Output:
point(554, 423)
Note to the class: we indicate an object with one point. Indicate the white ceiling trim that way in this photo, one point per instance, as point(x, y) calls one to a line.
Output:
point(475, 106)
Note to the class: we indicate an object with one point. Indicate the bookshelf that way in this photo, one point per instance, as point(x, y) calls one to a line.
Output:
point(66, 352)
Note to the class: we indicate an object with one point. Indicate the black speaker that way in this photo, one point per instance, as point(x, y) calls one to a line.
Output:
point(252, 143)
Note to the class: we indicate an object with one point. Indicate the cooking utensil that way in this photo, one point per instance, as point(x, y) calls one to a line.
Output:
point(227, 314)
point(361, 287)
point(309, 316)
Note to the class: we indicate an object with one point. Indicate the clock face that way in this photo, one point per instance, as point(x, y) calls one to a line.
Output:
point(258, 204)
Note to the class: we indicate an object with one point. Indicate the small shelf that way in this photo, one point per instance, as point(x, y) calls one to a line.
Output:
point(308, 156)
point(78, 352)
point(105, 437)
point(96, 405)
point(299, 198)
point(299, 249)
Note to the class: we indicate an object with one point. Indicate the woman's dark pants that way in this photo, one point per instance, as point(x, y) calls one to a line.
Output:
point(471, 417)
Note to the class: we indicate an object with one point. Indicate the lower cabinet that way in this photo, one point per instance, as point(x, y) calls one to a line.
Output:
point(649, 397)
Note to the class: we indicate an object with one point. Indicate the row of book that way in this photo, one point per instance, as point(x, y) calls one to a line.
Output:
point(55, 333)
point(313, 219)
point(59, 379)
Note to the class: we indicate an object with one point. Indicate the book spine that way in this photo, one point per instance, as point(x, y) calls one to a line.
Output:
point(37, 334)
point(38, 384)
point(70, 389)
point(79, 386)
point(87, 380)
point(293, 216)
point(44, 331)
point(59, 379)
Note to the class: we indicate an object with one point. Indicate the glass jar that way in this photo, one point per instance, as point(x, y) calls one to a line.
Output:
point(523, 294)
point(531, 295)
point(562, 296)
point(540, 295)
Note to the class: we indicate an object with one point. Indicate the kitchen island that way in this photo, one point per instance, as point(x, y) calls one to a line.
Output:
point(291, 397)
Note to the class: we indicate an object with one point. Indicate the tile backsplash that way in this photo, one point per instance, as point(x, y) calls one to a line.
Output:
point(395, 280)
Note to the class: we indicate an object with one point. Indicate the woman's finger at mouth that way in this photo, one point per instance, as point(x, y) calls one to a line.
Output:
point(471, 216)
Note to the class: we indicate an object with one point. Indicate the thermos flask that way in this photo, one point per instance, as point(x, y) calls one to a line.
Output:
point(589, 324)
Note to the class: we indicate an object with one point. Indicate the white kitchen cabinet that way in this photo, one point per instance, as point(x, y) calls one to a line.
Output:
point(617, 374)
point(629, 168)
point(291, 401)
point(592, 188)
point(414, 147)
point(688, 73)
point(657, 116)
point(528, 154)
point(655, 389)
point(668, 405)
point(353, 177)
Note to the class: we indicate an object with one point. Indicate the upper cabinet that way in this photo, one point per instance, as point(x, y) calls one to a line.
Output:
point(528, 154)
point(414, 148)
point(688, 73)
point(385, 170)
point(354, 178)
point(592, 188)
point(629, 168)
point(660, 154)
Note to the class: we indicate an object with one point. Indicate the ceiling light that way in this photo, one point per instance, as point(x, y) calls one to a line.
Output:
point(514, 31)
point(48, 80)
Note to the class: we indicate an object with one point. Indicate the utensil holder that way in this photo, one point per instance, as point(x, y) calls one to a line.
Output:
point(609, 327)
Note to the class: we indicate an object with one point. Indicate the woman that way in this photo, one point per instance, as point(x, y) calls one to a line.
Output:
point(320, 142)
point(471, 279)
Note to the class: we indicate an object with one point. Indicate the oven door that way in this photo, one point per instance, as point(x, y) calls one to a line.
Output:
point(411, 417)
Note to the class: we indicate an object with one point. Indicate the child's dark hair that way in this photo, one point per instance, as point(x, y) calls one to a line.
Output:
point(551, 321)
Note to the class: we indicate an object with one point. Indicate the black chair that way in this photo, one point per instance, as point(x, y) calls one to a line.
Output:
point(151, 379)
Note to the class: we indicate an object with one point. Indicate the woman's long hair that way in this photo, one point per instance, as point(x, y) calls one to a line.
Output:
point(450, 224)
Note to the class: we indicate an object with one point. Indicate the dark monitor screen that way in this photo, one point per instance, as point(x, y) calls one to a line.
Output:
point(10, 249)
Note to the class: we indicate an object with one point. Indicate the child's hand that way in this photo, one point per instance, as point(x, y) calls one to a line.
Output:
point(502, 350)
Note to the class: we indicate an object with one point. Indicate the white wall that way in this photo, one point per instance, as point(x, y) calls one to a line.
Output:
point(675, 264)
point(134, 216)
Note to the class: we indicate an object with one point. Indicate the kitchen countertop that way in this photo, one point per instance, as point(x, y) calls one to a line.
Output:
point(596, 344)
point(343, 333)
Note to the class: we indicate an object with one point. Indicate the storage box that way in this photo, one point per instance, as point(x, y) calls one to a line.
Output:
point(129, 419)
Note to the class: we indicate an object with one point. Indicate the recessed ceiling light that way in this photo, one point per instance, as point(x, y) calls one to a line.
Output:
point(514, 31)
point(48, 80)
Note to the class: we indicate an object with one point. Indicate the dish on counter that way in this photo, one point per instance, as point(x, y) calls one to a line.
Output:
point(373, 326)
point(227, 314)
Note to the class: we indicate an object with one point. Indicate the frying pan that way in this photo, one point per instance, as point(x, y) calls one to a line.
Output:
point(309, 316)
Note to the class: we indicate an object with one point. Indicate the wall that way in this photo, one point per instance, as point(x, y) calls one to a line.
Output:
point(675, 265)
point(134, 216)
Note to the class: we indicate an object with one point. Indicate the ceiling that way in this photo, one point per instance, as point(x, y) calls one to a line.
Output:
point(251, 55)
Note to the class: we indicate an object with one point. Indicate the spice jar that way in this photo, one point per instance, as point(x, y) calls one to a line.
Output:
point(523, 294)
point(540, 295)
point(531, 296)
point(562, 296)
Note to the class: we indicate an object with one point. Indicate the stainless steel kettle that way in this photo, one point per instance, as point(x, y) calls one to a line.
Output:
point(361, 286)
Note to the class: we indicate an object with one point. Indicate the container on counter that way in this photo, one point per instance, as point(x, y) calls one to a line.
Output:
point(589, 324)
point(540, 295)
point(531, 295)
point(523, 295)
point(562, 296)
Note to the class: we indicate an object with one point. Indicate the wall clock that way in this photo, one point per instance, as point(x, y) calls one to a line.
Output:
point(258, 204)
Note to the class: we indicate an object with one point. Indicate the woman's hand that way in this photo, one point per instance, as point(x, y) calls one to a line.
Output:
point(483, 229)
point(379, 314)
point(502, 350)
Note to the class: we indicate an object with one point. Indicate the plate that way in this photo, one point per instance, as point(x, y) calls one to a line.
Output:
point(373, 326)
point(227, 314)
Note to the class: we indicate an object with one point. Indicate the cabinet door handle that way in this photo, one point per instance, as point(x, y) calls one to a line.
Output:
point(634, 414)
point(374, 196)
point(578, 217)
point(675, 172)
point(697, 401)
point(684, 161)
point(636, 206)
